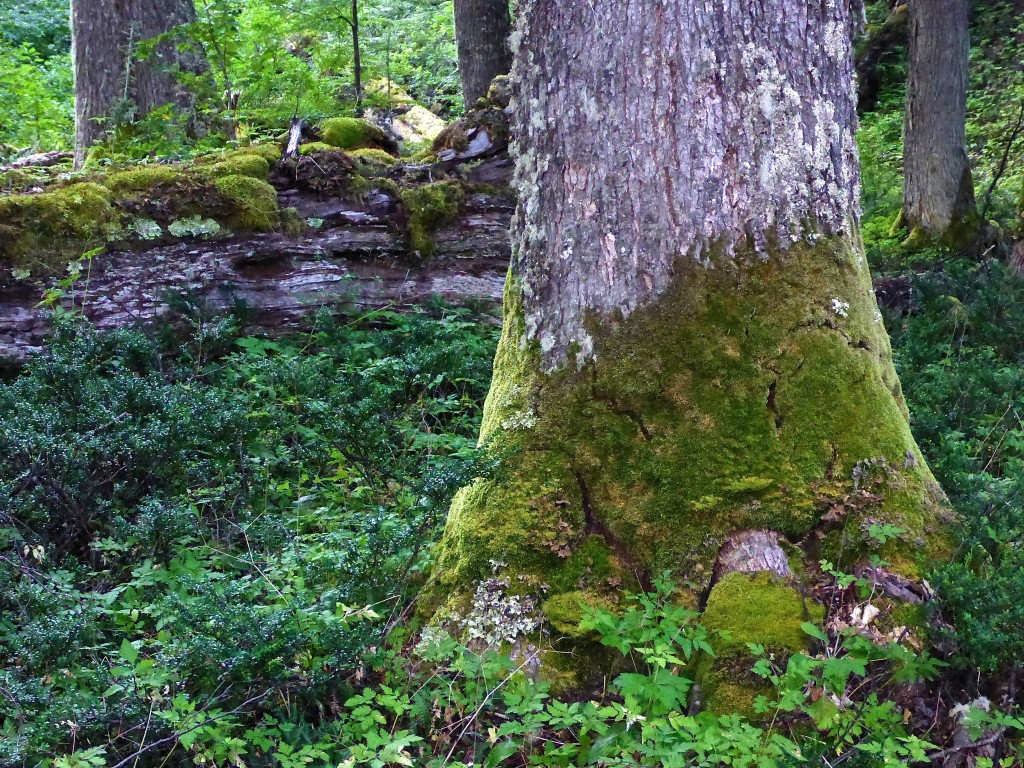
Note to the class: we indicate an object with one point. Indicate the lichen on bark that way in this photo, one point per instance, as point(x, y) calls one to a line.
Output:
point(692, 347)
point(746, 397)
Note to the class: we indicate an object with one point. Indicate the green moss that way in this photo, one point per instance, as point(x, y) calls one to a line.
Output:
point(141, 179)
point(758, 608)
point(269, 152)
point(564, 612)
point(253, 165)
point(744, 398)
point(47, 229)
point(750, 608)
point(351, 133)
point(375, 155)
point(431, 206)
point(252, 203)
point(314, 146)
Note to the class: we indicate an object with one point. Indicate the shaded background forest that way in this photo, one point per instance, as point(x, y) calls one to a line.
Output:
point(217, 540)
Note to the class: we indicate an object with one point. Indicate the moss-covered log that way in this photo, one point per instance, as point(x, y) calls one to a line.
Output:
point(347, 231)
point(692, 347)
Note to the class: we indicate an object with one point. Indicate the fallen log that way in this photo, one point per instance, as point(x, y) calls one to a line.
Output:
point(39, 160)
point(356, 260)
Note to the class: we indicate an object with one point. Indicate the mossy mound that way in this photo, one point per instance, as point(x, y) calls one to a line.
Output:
point(140, 179)
point(269, 152)
point(251, 165)
point(45, 230)
point(753, 395)
point(313, 147)
point(252, 204)
point(750, 609)
point(329, 173)
point(375, 156)
point(353, 133)
point(431, 206)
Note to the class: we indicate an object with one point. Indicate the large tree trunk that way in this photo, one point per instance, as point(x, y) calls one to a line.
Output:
point(938, 191)
point(692, 352)
point(105, 39)
point(482, 28)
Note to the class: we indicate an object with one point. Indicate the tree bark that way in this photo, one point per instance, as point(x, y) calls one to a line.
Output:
point(105, 38)
point(691, 348)
point(482, 29)
point(938, 191)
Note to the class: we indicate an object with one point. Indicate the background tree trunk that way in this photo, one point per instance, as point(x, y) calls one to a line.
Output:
point(938, 191)
point(691, 348)
point(105, 38)
point(482, 28)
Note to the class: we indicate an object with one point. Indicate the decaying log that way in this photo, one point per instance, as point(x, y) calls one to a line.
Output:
point(358, 259)
point(294, 137)
point(39, 160)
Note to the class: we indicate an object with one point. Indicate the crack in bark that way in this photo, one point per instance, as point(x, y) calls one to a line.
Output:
point(773, 390)
point(615, 407)
point(595, 527)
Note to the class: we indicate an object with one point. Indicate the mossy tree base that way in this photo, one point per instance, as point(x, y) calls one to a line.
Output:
point(756, 393)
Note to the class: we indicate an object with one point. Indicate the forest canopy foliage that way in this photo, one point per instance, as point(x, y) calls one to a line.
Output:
point(212, 544)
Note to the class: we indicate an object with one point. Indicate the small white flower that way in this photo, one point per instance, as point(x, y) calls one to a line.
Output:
point(840, 307)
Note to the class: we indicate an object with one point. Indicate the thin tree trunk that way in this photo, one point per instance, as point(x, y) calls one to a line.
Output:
point(482, 29)
point(938, 192)
point(692, 352)
point(105, 39)
point(357, 65)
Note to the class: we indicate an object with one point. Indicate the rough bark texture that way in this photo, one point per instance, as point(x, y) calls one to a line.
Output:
point(938, 192)
point(691, 345)
point(763, 150)
point(105, 38)
point(482, 29)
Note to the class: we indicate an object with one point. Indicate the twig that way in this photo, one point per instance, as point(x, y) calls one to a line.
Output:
point(1004, 160)
point(987, 741)
point(177, 736)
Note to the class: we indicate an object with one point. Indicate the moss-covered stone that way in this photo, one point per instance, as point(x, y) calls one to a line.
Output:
point(141, 179)
point(352, 133)
point(375, 155)
point(313, 147)
point(742, 609)
point(745, 398)
point(269, 152)
point(252, 203)
point(252, 165)
point(47, 229)
point(431, 206)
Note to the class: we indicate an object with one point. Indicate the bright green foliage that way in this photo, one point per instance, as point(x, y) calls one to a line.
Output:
point(351, 133)
point(645, 716)
point(253, 203)
point(214, 516)
point(431, 206)
point(961, 356)
point(35, 99)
